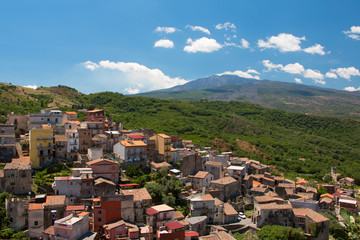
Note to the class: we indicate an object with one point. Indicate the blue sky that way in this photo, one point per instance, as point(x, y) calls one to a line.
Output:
point(141, 45)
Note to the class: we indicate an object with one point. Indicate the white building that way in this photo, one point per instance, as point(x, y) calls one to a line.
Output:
point(46, 116)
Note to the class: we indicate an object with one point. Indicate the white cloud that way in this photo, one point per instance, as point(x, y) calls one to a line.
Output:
point(294, 68)
point(352, 89)
point(316, 49)
point(284, 42)
point(132, 90)
point(244, 43)
point(198, 28)
point(31, 86)
point(165, 43)
point(346, 72)
point(226, 26)
point(165, 29)
point(270, 66)
point(331, 75)
point(132, 77)
point(314, 74)
point(353, 33)
point(203, 44)
point(239, 73)
point(298, 80)
point(90, 65)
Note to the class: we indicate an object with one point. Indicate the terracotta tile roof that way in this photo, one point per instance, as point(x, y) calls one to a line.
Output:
point(305, 195)
point(114, 224)
point(174, 225)
point(311, 189)
point(347, 179)
point(275, 206)
point(71, 113)
point(218, 202)
point(229, 210)
point(279, 178)
point(200, 174)
point(71, 130)
point(35, 206)
point(101, 180)
point(135, 136)
point(259, 189)
point(286, 185)
point(206, 197)
point(55, 200)
point(213, 163)
point(256, 183)
point(83, 214)
point(327, 195)
point(301, 181)
point(101, 161)
point(271, 194)
point(184, 223)
point(160, 165)
point(50, 231)
point(314, 216)
point(224, 181)
point(178, 215)
point(139, 194)
point(75, 208)
point(263, 199)
point(133, 143)
point(22, 163)
point(326, 200)
point(95, 110)
point(163, 135)
point(224, 236)
point(191, 234)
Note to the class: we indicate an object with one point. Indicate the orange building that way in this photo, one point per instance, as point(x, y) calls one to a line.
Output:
point(163, 146)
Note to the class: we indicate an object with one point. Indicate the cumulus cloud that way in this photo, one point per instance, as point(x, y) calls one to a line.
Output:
point(227, 26)
point(198, 28)
point(132, 77)
point(286, 42)
point(165, 43)
point(244, 43)
point(352, 89)
point(165, 29)
point(296, 68)
point(331, 75)
point(353, 33)
point(271, 66)
point(298, 80)
point(346, 73)
point(203, 44)
point(316, 49)
point(31, 86)
point(248, 74)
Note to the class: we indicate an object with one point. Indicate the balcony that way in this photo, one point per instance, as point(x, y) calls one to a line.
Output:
point(45, 147)
point(44, 139)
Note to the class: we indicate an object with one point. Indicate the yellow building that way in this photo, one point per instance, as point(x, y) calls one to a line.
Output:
point(41, 146)
point(163, 146)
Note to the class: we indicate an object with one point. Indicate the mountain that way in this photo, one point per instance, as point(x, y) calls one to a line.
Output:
point(271, 94)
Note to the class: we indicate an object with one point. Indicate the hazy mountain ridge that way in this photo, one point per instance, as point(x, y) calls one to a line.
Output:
point(272, 94)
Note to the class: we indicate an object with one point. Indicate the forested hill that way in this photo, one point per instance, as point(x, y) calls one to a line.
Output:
point(272, 94)
point(273, 136)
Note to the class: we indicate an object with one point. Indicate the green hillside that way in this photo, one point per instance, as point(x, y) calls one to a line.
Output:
point(275, 137)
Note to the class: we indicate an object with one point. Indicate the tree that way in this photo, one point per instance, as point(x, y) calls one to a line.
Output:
point(133, 171)
point(169, 200)
point(276, 232)
point(155, 190)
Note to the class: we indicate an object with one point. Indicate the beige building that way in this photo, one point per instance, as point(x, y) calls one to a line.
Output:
point(20, 122)
point(163, 146)
point(142, 200)
point(228, 188)
point(16, 176)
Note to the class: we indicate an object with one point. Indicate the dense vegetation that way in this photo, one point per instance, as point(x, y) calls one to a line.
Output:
point(274, 137)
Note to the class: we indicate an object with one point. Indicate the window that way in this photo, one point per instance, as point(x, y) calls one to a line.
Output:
point(99, 211)
point(36, 223)
point(99, 219)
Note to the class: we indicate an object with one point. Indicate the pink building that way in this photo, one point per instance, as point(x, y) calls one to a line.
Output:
point(121, 229)
point(105, 168)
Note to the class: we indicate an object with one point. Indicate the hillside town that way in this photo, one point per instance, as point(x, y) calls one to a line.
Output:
point(204, 193)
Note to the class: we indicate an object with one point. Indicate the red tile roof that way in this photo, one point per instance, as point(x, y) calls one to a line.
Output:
point(174, 225)
point(201, 174)
point(151, 211)
point(55, 200)
point(75, 208)
point(35, 206)
point(191, 234)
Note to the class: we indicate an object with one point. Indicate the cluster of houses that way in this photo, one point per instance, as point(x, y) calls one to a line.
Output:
point(97, 201)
